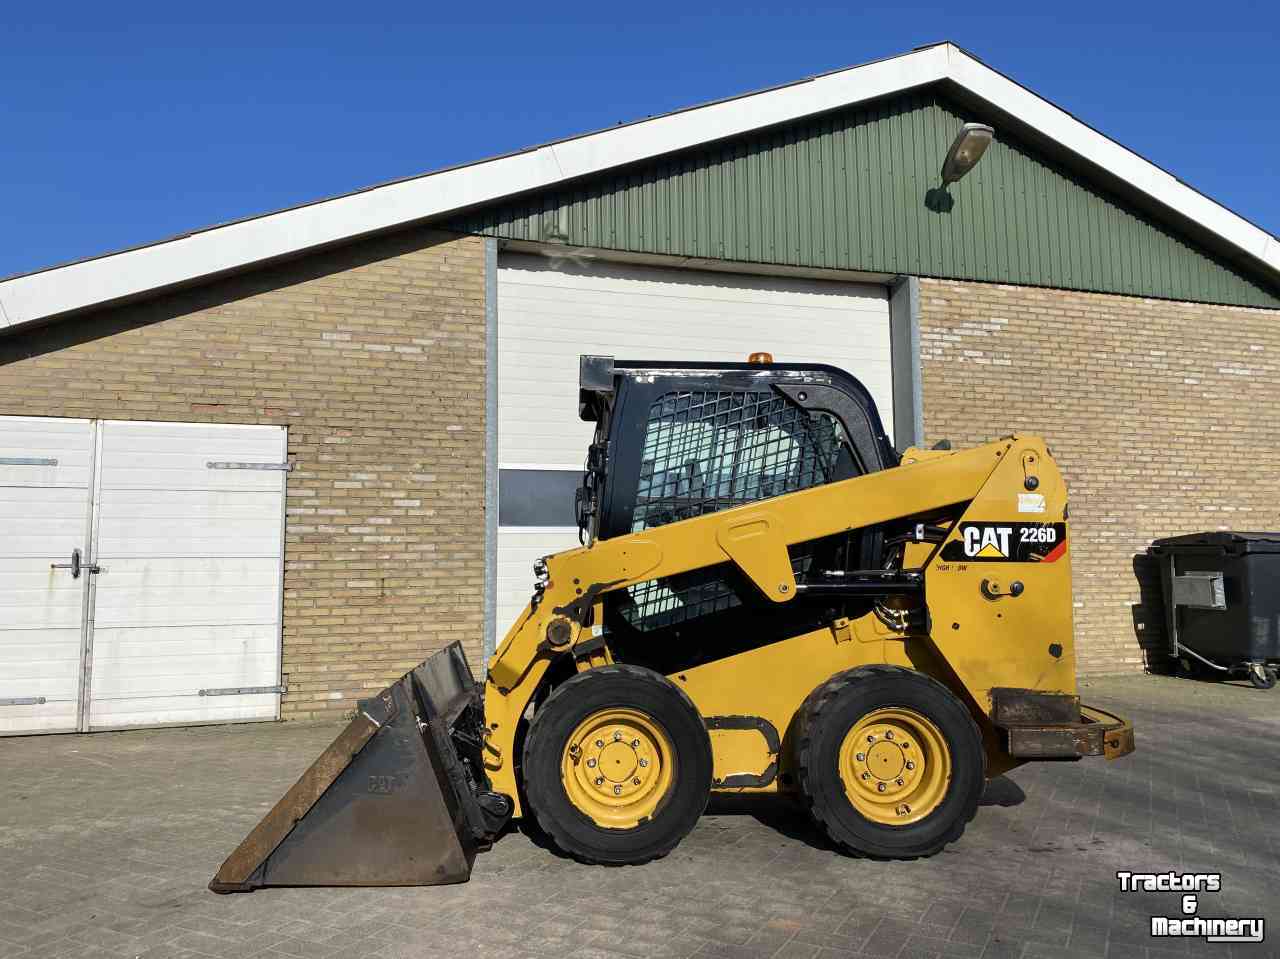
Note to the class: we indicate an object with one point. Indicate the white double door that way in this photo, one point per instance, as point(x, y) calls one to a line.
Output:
point(140, 573)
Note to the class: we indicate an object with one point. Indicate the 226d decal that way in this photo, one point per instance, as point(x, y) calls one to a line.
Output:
point(1007, 543)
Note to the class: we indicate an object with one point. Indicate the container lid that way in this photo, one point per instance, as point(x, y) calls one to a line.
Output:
point(1227, 540)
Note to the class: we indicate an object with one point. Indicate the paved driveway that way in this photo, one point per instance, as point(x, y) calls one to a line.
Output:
point(107, 841)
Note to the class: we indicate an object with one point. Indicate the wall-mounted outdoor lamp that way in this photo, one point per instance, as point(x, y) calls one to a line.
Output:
point(966, 150)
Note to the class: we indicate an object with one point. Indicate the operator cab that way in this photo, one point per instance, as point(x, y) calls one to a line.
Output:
point(677, 441)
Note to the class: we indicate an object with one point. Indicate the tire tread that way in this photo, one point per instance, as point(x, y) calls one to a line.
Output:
point(537, 740)
point(810, 716)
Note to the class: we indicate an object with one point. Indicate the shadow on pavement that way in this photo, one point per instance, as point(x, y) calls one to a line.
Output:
point(782, 814)
point(1003, 791)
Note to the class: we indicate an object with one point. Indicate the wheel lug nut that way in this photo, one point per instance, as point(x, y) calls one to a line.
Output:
point(635, 782)
point(911, 765)
point(903, 809)
point(871, 738)
point(888, 735)
point(860, 757)
point(880, 787)
point(899, 782)
point(643, 763)
point(616, 735)
point(617, 790)
point(599, 780)
point(905, 744)
point(866, 775)
point(599, 744)
point(591, 764)
point(635, 744)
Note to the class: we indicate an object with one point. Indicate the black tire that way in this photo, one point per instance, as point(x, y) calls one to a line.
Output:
point(825, 719)
point(1267, 679)
point(629, 687)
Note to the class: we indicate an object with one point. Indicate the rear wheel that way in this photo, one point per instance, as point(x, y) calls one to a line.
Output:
point(889, 762)
point(617, 765)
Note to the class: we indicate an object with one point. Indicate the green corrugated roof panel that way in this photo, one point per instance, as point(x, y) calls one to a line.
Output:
point(850, 191)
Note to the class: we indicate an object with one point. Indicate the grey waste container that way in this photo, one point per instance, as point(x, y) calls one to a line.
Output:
point(1222, 600)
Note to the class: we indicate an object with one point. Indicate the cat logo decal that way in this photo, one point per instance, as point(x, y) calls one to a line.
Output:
point(1007, 543)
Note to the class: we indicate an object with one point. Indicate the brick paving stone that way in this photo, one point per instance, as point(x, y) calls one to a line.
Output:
point(796, 950)
point(108, 842)
point(1001, 948)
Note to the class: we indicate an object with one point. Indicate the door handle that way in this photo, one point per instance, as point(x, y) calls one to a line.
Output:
point(76, 566)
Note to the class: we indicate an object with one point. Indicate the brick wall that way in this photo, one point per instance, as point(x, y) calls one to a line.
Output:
point(373, 356)
point(1164, 416)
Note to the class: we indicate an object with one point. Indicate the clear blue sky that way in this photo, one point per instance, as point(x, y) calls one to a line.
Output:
point(126, 122)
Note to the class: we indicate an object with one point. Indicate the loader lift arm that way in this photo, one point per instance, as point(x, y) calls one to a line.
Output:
point(754, 537)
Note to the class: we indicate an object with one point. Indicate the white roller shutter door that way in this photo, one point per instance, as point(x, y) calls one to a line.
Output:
point(550, 312)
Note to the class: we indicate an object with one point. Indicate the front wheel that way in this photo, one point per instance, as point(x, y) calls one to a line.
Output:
point(889, 762)
point(617, 765)
point(1262, 676)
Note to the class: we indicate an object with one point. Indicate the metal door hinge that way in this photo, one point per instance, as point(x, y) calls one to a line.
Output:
point(229, 465)
point(244, 690)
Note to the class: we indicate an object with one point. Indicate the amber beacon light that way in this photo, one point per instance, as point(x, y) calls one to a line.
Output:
point(759, 359)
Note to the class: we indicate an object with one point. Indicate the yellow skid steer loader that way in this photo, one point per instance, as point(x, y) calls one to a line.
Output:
point(769, 599)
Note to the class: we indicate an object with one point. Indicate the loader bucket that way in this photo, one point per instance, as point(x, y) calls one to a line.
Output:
point(389, 803)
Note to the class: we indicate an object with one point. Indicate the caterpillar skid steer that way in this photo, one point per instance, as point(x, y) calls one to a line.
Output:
point(768, 599)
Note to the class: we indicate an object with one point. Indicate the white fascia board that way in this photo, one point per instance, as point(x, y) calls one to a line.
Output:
point(729, 118)
point(1144, 176)
point(237, 246)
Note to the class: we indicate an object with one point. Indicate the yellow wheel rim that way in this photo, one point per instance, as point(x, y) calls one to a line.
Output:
point(895, 766)
point(618, 767)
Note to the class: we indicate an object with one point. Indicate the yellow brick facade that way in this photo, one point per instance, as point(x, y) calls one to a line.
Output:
point(1160, 413)
point(1163, 416)
point(373, 356)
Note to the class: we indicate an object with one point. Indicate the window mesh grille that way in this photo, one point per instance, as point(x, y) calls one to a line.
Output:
point(708, 450)
point(659, 603)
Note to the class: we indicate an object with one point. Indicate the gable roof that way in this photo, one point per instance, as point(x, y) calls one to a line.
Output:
point(232, 247)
